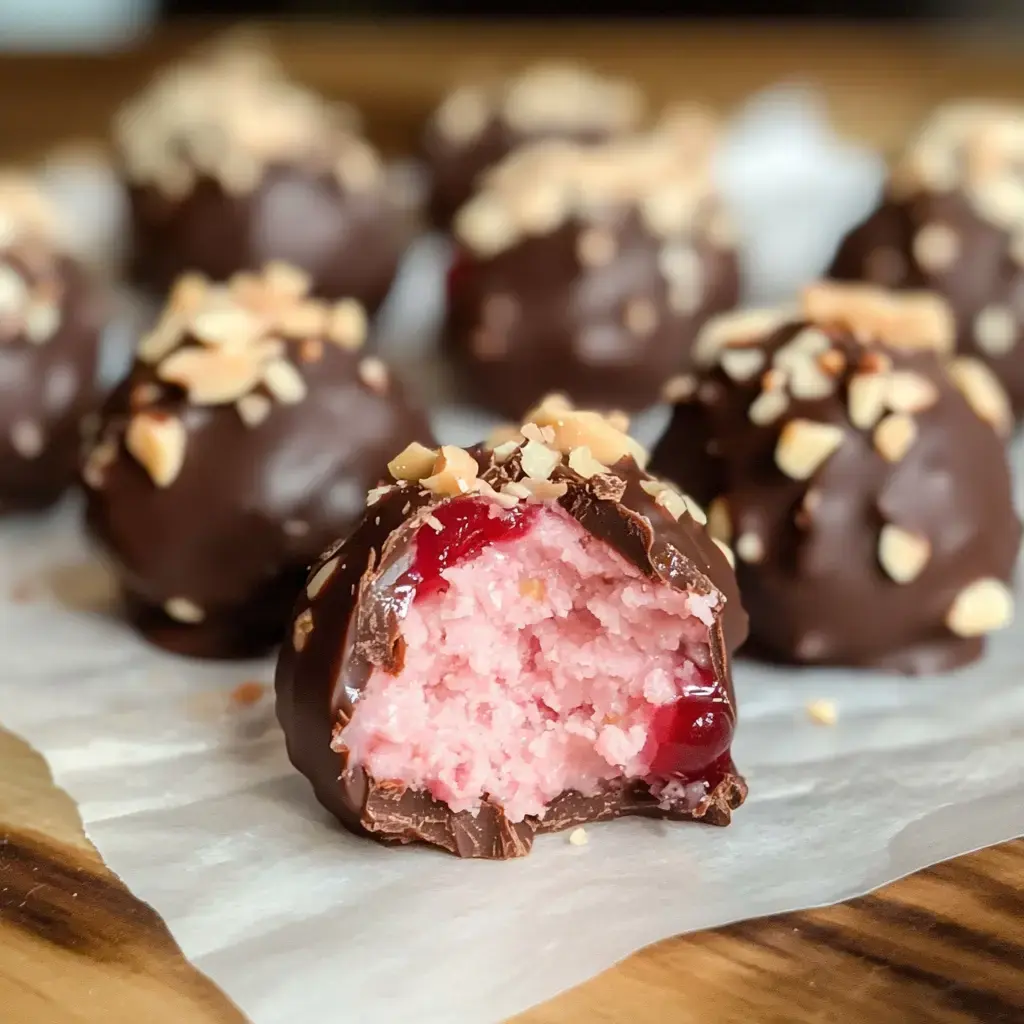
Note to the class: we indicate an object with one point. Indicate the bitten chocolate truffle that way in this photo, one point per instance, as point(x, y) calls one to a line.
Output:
point(51, 318)
point(477, 126)
point(516, 641)
point(858, 475)
point(589, 270)
point(241, 443)
point(952, 222)
point(230, 165)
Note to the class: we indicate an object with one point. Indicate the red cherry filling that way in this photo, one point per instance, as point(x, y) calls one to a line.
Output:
point(692, 733)
point(468, 525)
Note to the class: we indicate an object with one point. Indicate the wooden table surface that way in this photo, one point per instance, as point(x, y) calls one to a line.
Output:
point(946, 945)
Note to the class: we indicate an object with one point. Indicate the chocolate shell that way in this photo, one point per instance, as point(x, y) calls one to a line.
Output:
point(349, 622)
point(477, 126)
point(230, 165)
point(242, 442)
point(589, 271)
point(51, 318)
point(951, 222)
point(858, 474)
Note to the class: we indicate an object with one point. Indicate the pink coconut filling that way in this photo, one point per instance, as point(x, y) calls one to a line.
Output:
point(542, 662)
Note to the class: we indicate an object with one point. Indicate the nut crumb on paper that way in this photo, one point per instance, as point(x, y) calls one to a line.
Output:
point(578, 837)
point(246, 694)
point(823, 712)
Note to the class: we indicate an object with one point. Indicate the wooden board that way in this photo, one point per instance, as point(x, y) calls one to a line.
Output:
point(946, 945)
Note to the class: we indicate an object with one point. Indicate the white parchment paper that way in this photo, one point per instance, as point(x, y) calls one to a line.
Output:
point(187, 793)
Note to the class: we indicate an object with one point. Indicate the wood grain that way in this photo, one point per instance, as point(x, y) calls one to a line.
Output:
point(946, 945)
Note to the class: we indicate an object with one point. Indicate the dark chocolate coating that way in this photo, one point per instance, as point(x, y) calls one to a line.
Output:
point(349, 243)
point(819, 594)
point(224, 533)
point(983, 273)
point(534, 319)
point(356, 621)
point(47, 387)
point(456, 167)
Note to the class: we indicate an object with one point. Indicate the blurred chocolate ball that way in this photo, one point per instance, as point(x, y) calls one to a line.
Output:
point(859, 476)
point(477, 126)
point(243, 441)
point(952, 221)
point(51, 318)
point(230, 165)
point(589, 270)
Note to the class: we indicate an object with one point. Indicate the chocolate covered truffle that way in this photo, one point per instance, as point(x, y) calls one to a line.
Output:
point(51, 318)
point(230, 165)
point(589, 270)
point(241, 443)
point(477, 126)
point(858, 474)
point(516, 641)
point(952, 221)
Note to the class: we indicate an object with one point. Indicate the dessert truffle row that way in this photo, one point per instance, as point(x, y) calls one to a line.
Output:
point(517, 640)
point(589, 270)
point(952, 221)
point(229, 165)
point(477, 125)
point(856, 468)
point(51, 318)
point(239, 445)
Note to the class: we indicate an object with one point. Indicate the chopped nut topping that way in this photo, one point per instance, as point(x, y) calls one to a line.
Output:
point(463, 115)
point(742, 363)
point(413, 462)
point(504, 451)
point(680, 388)
point(227, 114)
point(374, 374)
point(516, 490)
point(912, 320)
point(719, 520)
point(768, 407)
point(41, 322)
point(749, 547)
point(303, 320)
point(936, 247)
point(996, 330)
point(504, 435)
point(302, 629)
point(895, 436)
point(287, 279)
point(727, 551)
point(321, 578)
point(595, 247)
point(902, 554)
point(544, 490)
point(157, 442)
point(253, 409)
point(284, 382)
point(575, 428)
point(640, 317)
point(539, 461)
point(823, 712)
point(454, 473)
point(213, 376)
point(27, 439)
point(985, 395)
point(907, 391)
point(542, 435)
point(866, 395)
point(805, 445)
point(230, 326)
point(181, 609)
point(434, 523)
point(100, 458)
point(738, 328)
point(675, 504)
point(374, 494)
point(347, 325)
point(981, 607)
point(582, 462)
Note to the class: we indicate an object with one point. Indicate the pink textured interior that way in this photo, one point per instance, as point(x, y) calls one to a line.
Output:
point(539, 668)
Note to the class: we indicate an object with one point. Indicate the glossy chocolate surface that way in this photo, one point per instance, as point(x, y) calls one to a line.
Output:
point(813, 563)
point(353, 624)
